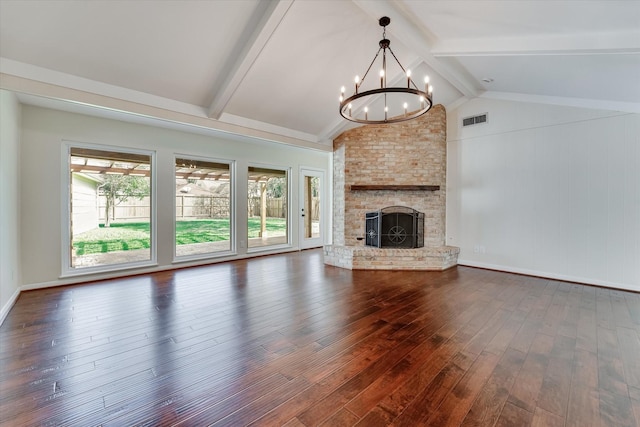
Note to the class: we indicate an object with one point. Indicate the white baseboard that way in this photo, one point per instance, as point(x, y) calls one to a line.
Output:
point(9, 305)
point(555, 276)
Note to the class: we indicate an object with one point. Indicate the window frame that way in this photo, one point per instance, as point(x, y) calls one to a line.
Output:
point(287, 170)
point(232, 207)
point(66, 269)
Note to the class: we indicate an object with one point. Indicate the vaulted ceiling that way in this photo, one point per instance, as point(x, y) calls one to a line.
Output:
point(273, 69)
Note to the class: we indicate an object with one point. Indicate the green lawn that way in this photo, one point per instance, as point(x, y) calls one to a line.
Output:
point(135, 235)
point(275, 226)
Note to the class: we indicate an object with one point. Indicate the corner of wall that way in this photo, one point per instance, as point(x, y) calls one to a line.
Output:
point(10, 275)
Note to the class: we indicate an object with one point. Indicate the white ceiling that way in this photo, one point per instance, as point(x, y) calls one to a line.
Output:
point(273, 69)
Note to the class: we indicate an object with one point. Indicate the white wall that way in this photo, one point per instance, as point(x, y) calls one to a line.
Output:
point(546, 190)
point(9, 200)
point(43, 133)
point(85, 203)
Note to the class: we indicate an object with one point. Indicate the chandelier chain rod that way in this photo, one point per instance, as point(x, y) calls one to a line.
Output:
point(403, 70)
point(368, 69)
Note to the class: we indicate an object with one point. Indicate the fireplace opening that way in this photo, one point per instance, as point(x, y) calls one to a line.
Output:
point(395, 227)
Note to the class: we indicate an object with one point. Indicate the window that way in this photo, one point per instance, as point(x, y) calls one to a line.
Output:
point(110, 208)
point(268, 216)
point(203, 207)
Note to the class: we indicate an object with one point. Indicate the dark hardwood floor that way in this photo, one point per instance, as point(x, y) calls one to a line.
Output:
point(285, 340)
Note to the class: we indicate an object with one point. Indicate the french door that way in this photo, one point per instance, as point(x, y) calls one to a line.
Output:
point(311, 209)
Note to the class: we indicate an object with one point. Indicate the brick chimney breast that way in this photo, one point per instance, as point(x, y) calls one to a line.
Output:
point(402, 154)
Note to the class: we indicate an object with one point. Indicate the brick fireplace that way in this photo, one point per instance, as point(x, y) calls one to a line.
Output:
point(402, 164)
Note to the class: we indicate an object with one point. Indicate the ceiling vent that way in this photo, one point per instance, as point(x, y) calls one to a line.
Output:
point(468, 121)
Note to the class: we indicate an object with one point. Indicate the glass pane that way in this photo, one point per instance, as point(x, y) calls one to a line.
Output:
point(311, 207)
point(203, 207)
point(110, 205)
point(267, 204)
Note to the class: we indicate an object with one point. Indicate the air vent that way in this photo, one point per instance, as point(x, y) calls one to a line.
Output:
point(468, 121)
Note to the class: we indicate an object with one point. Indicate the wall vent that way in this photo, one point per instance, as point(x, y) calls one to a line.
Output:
point(474, 120)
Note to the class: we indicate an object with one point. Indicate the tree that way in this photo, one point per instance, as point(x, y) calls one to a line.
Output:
point(276, 187)
point(119, 188)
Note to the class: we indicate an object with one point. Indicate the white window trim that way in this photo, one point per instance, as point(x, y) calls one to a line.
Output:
point(232, 205)
point(270, 248)
point(66, 269)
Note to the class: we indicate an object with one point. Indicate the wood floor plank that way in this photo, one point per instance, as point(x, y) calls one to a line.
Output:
point(542, 418)
point(513, 415)
point(585, 369)
point(455, 406)
point(621, 312)
point(342, 418)
point(634, 395)
point(556, 385)
point(488, 405)
point(586, 331)
point(554, 392)
point(430, 397)
point(610, 366)
point(633, 304)
point(368, 398)
point(446, 362)
point(630, 354)
point(287, 340)
point(616, 410)
point(337, 399)
point(569, 325)
point(584, 407)
point(604, 310)
point(350, 367)
point(529, 380)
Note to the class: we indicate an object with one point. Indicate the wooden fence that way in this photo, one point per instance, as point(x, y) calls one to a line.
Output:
point(194, 207)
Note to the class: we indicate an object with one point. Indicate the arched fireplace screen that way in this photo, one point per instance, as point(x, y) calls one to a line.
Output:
point(394, 226)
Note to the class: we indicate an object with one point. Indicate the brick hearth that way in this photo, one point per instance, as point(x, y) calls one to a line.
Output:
point(410, 153)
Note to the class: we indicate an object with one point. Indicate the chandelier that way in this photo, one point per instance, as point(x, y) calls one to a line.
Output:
point(406, 102)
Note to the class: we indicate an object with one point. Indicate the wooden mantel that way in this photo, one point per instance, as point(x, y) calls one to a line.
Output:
point(395, 187)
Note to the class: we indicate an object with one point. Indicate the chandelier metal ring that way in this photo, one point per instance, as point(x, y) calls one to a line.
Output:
point(344, 105)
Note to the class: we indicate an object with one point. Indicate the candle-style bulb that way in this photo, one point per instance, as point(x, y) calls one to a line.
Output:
point(381, 78)
point(408, 78)
point(430, 89)
point(366, 113)
point(426, 79)
point(341, 98)
point(357, 79)
point(342, 89)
